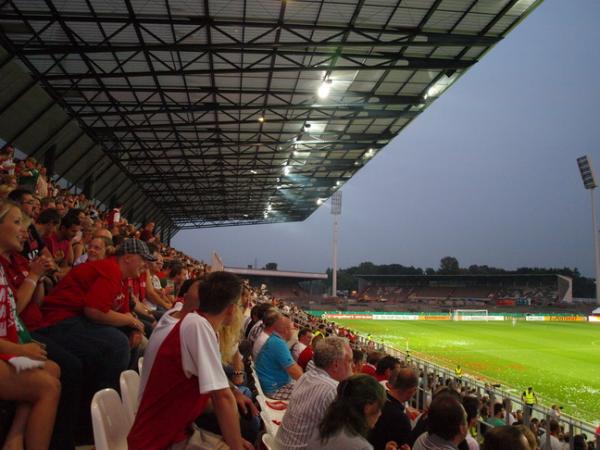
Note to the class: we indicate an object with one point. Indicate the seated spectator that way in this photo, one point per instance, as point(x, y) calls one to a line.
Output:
point(305, 358)
point(358, 359)
point(533, 440)
point(497, 420)
point(99, 247)
point(156, 300)
point(554, 443)
point(314, 392)
point(373, 358)
point(258, 326)
point(34, 243)
point(85, 310)
point(275, 367)
point(148, 232)
point(177, 275)
point(59, 243)
point(472, 406)
point(304, 339)
point(385, 367)
point(350, 416)
point(188, 356)
point(26, 375)
point(446, 426)
point(394, 424)
point(269, 320)
point(504, 438)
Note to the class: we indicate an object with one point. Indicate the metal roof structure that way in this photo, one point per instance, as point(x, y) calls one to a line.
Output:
point(213, 112)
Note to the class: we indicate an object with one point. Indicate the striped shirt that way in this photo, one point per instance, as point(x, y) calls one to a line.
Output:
point(313, 393)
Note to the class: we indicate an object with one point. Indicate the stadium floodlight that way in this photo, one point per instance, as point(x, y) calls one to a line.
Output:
point(587, 173)
point(286, 170)
point(589, 182)
point(336, 210)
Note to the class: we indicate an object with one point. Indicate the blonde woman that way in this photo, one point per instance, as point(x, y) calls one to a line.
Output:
point(26, 375)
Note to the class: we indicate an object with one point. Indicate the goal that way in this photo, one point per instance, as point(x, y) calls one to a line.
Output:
point(470, 314)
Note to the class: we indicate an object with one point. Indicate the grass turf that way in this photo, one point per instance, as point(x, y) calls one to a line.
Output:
point(561, 361)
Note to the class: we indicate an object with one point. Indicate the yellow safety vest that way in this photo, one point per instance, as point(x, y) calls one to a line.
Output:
point(529, 397)
point(458, 372)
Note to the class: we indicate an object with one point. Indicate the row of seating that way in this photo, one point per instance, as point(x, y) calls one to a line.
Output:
point(271, 412)
point(113, 416)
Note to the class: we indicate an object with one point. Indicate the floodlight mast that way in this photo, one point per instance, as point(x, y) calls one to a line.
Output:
point(336, 211)
point(589, 182)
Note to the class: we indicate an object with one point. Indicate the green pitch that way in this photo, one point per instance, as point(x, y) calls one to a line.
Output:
point(561, 361)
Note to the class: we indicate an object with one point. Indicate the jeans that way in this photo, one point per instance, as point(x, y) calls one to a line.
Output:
point(102, 349)
point(70, 394)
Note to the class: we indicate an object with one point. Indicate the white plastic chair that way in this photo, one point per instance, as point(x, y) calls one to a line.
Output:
point(130, 387)
point(110, 421)
point(269, 442)
point(140, 364)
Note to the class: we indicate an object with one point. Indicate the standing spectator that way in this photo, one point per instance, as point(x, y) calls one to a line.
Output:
point(314, 392)
point(394, 424)
point(188, 357)
point(114, 216)
point(447, 425)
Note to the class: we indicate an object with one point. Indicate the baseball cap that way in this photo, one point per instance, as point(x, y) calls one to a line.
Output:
point(135, 247)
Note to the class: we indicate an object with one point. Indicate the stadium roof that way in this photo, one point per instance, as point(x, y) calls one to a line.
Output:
point(210, 107)
point(276, 273)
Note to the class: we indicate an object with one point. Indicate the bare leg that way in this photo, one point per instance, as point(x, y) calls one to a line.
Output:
point(41, 390)
point(15, 439)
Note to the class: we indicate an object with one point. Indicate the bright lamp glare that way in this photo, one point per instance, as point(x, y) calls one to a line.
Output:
point(286, 170)
point(324, 89)
point(319, 201)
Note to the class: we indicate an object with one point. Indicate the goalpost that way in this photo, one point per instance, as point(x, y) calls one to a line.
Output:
point(470, 314)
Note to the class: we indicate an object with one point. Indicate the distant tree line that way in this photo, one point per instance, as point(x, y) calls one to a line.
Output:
point(449, 265)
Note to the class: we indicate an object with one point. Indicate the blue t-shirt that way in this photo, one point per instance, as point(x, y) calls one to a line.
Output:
point(271, 364)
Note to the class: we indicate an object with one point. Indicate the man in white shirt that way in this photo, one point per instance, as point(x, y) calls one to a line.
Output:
point(554, 443)
point(313, 393)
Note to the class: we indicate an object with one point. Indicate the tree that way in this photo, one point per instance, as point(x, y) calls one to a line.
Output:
point(271, 266)
point(449, 266)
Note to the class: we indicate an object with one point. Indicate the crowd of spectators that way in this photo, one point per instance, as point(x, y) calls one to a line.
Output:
point(84, 294)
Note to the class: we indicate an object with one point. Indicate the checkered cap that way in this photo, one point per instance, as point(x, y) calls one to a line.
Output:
point(135, 247)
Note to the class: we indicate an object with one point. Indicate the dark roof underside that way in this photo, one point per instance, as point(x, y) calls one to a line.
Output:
point(210, 107)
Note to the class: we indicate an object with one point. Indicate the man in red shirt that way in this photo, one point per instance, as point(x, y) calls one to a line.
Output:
point(87, 312)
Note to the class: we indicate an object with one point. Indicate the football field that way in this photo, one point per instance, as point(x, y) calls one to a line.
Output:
point(561, 361)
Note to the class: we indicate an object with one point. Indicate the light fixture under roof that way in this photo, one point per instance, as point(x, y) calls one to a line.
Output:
point(286, 170)
point(324, 89)
point(319, 201)
point(261, 119)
